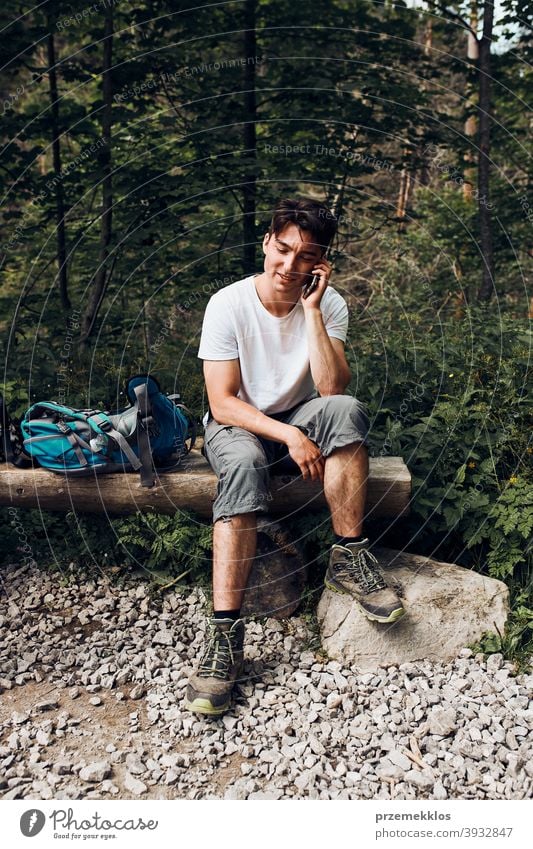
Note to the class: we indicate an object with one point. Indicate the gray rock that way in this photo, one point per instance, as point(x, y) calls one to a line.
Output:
point(398, 758)
point(14, 793)
point(439, 791)
point(238, 790)
point(422, 779)
point(510, 740)
point(19, 717)
point(386, 769)
point(43, 738)
point(42, 790)
point(63, 767)
point(137, 692)
point(133, 785)
point(494, 662)
point(13, 741)
point(171, 776)
point(442, 721)
point(458, 604)
point(96, 771)
point(109, 787)
point(135, 764)
point(163, 638)
point(333, 700)
point(50, 703)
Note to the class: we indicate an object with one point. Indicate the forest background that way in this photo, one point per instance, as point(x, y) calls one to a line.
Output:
point(143, 147)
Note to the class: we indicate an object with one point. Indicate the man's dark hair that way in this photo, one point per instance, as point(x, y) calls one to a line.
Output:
point(307, 214)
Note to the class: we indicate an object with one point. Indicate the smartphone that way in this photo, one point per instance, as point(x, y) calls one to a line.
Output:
point(311, 285)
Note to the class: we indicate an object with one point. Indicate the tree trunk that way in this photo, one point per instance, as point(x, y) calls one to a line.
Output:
point(485, 218)
point(406, 179)
point(97, 290)
point(56, 154)
point(471, 124)
point(424, 171)
point(428, 37)
point(249, 139)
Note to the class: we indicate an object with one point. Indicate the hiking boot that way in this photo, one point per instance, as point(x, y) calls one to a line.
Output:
point(209, 689)
point(354, 570)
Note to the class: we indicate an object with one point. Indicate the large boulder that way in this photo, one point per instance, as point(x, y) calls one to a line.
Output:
point(447, 608)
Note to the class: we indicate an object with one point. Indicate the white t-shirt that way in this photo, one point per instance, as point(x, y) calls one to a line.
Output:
point(272, 352)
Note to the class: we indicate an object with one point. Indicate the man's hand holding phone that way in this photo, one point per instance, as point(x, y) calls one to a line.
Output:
point(316, 285)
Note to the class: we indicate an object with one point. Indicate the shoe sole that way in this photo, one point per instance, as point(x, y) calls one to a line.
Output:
point(205, 707)
point(374, 617)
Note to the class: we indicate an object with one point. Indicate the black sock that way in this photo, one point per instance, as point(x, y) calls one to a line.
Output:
point(227, 614)
point(345, 540)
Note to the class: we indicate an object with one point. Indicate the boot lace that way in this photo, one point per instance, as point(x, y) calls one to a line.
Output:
point(218, 657)
point(361, 566)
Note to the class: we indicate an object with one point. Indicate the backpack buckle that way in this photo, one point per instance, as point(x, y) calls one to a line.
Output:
point(104, 425)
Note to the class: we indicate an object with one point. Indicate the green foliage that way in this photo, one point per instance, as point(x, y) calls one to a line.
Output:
point(166, 545)
point(517, 641)
point(167, 548)
point(55, 539)
point(16, 397)
point(449, 396)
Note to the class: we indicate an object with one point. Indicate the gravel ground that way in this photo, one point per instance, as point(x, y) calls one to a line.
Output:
point(93, 676)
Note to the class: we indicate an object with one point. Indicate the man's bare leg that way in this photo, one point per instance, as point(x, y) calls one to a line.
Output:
point(345, 485)
point(234, 547)
point(210, 687)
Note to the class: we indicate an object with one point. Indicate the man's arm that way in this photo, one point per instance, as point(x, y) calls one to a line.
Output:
point(330, 371)
point(222, 381)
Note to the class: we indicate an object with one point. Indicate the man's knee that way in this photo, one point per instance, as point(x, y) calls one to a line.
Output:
point(359, 416)
point(345, 410)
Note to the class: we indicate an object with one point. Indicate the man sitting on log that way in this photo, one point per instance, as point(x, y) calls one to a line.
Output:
point(275, 374)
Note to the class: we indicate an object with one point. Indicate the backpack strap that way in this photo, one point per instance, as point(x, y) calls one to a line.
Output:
point(143, 440)
point(121, 441)
point(191, 418)
point(6, 444)
point(74, 439)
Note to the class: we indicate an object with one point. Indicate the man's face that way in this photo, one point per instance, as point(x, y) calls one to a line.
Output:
point(289, 257)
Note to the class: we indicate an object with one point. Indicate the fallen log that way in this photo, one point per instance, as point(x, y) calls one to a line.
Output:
point(192, 487)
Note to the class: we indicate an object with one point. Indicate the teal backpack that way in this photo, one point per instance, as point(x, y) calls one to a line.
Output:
point(155, 432)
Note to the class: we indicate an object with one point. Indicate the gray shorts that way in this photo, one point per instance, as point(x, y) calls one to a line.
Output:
point(244, 462)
